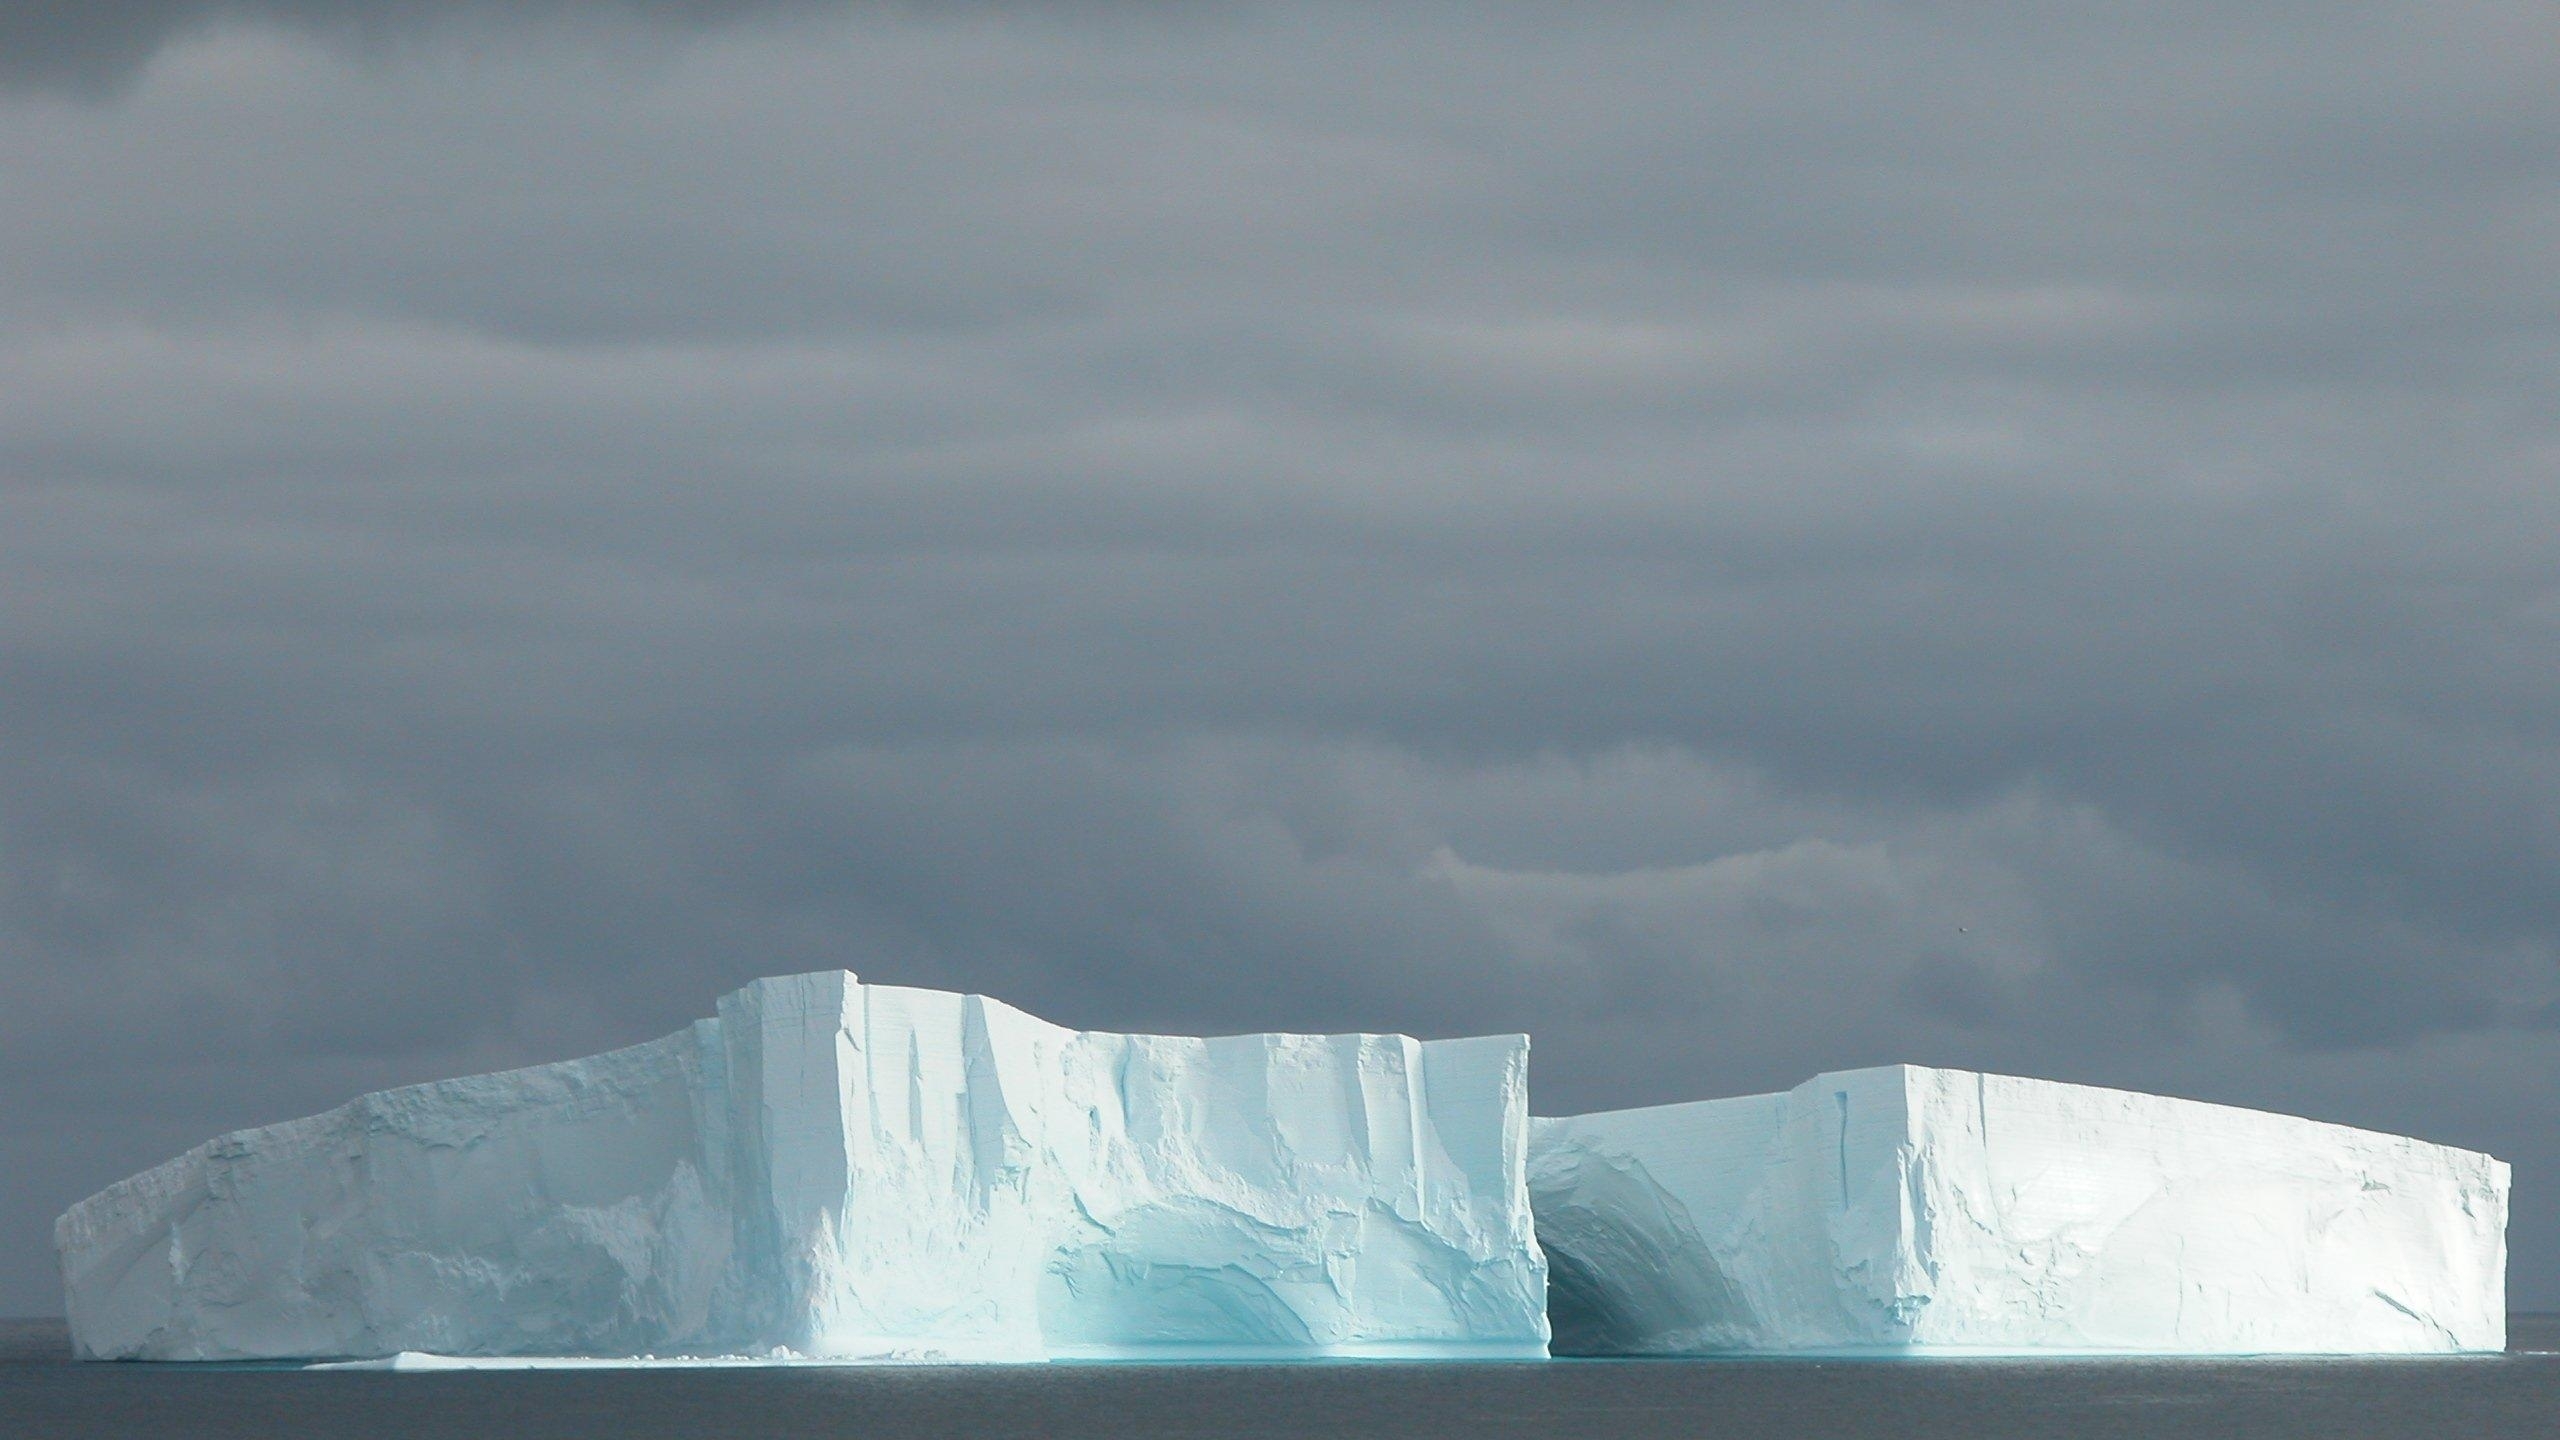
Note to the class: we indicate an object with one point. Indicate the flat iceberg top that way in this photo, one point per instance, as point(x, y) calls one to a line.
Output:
point(835, 1169)
point(1908, 1210)
point(2125, 1107)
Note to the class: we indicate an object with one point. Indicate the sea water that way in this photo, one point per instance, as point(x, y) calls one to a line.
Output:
point(44, 1394)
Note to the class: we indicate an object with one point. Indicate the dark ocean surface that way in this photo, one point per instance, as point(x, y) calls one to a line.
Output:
point(43, 1394)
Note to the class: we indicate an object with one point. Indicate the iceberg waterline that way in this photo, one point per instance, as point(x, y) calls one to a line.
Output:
point(834, 1170)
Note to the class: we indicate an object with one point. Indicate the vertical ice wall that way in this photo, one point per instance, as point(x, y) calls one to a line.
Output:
point(839, 1169)
point(1910, 1210)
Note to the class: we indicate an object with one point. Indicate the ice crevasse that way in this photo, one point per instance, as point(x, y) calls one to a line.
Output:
point(834, 1169)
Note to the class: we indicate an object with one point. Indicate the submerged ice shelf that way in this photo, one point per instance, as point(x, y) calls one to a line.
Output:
point(833, 1169)
point(830, 1171)
point(1904, 1210)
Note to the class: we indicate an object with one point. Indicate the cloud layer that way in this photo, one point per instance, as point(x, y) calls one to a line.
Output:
point(1806, 536)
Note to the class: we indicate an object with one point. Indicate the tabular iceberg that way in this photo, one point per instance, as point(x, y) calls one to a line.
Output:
point(1904, 1210)
point(832, 1169)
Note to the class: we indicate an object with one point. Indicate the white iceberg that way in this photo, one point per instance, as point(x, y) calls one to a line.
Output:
point(834, 1170)
point(1903, 1210)
point(831, 1171)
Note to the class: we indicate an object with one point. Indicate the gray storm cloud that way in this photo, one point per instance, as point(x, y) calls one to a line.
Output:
point(1737, 542)
point(93, 46)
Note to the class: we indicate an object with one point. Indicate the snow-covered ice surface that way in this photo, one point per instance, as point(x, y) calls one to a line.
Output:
point(1903, 1210)
point(837, 1170)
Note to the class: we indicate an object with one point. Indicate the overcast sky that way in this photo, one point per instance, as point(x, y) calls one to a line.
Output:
point(1739, 540)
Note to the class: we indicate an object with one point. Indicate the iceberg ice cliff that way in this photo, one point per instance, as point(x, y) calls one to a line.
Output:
point(1904, 1210)
point(833, 1169)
